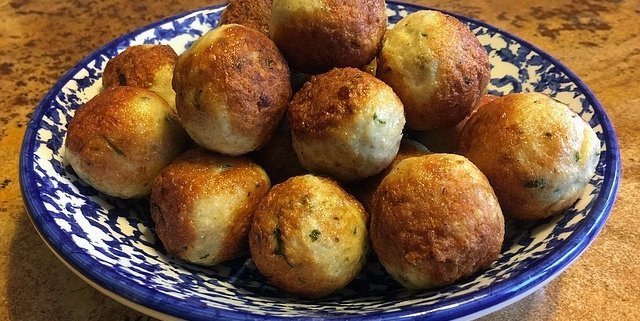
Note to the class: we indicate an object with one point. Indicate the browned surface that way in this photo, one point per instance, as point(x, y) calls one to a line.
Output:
point(537, 158)
point(137, 66)
point(446, 226)
point(461, 76)
point(116, 143)
point(192, 177)
point(251, 13)
point(598, 40)
point(314, 42)
point(282, 249)
point(236, 66)
point(330, 100)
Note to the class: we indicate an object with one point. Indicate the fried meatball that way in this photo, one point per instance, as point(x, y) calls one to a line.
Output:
point(437, 67)
point(537, 153)
point(309, 236)
point(346, 123)
point(202, 205)
point(144, 66)
point(232, 88)
point(278, 158)
point(435, 220)
point(120, 140)
point(364, 190)
point(251, 13)
point(317, 35)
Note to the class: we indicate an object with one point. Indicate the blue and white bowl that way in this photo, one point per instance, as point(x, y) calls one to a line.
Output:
point(111, 243)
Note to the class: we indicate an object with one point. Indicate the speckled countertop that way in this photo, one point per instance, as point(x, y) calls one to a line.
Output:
point(598, 40)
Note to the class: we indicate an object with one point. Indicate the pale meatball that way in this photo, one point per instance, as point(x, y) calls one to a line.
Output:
point(203, 203)
point(537, 153)
point(365, 190)
point(346, 123)
point(437, 67)
point(232, 88)
point(309, 237)
point(317, 35)
point(120, 140)
point(435, 220)
point(250, 13)
point(144, 66)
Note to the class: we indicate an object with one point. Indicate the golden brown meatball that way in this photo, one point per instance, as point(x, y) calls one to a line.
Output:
point(309, 236)
point(202, 205)
point(317, 35)
point(346, 123)
point(232, 87)
point(120, 140)
point(435, 220)
point(144, 66)
point(251, 13)
point(365, 189)
point(437, 67)
point(536, 152)
point(277, 157)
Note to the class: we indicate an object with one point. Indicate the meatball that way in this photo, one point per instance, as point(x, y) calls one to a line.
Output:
point(317, 35)
point(251, 13)
point(309, 236)
point(365, 189)
point(346, 123)
point(278, 158)
point(232, 88)
point(120, 140)
point(446, 226)
point(536, 152)
point(202, 205)
point(144, 66)
point(437, 67)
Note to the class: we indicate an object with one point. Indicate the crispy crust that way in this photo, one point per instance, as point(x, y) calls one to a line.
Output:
point(251, 13)
point(281, 238)
point(243, 67)
point(447, 226)
point(192, 177)
point(340, 34)
point(138, 65)
point(532, 150)
point(461, 76)
point(330, 99)
point(118, 143)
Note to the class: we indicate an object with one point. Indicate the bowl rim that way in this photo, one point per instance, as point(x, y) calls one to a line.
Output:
point(468, 305)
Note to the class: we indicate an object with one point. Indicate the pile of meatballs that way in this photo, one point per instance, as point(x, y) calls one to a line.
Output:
point(284, 132)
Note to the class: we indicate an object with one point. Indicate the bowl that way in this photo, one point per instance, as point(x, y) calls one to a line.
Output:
point(111, 243)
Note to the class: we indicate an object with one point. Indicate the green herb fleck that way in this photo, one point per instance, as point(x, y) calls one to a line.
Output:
point(226, 165)
point(279, 250)
point(113, 146)
point(424, 34)
point(314, 235)
point(536, 183)
point(355, 230)
point(375, 117)
point(577, 155)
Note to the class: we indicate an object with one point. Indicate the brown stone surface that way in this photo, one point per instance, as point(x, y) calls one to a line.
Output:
point(598, 40)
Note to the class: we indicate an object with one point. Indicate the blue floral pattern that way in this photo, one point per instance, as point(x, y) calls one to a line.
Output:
point(112, 242)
